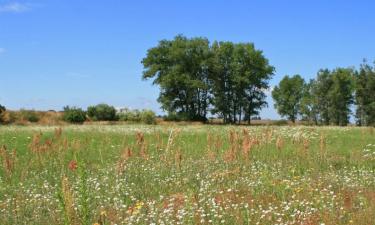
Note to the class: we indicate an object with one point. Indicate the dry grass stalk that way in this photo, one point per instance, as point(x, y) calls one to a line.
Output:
point(247, 144)
point(171, 139)
point(178, 158)
point(125, 155)
point(231, 154)
point(210, 141)
point(9, 161)
point(58, 133)
point(35, 142)
point(159, 141)
point(322, 145)
point(142, 146)
point(68, 199)
point(306, 144)
point(279, 143)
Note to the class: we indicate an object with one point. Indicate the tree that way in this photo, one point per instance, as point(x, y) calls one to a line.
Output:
point(222, 80)
point(340, 96)
point(102, 112)
point(180, 68)
point(365, 95)
point(194, 75)
point(320, 89)
point(309, 107)
point(288, 95)
point(239, 76)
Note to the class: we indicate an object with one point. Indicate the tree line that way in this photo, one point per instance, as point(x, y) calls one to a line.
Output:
point(330, 97)
point(198, 78)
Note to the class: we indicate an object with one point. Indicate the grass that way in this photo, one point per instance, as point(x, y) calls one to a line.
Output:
point(193, 174)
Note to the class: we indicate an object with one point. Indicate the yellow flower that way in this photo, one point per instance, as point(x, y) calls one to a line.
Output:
point(139, 205)
point(103, 213)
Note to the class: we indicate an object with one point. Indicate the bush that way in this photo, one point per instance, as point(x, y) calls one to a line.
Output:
point(280, 122)
point(2, 111)
point(144, 116)
point(148, 117)
point(74, 115)
point(8, 117)
point(29, 115)
point(129, 115)
point(102, 112)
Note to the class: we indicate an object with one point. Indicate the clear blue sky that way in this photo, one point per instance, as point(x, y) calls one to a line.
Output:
point(78, 52)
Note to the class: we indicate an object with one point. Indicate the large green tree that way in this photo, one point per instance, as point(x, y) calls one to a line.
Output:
point(240, 75)
point(340, 96)
point(365, 95)
point(319, 91)
point(288, 95)
point(309, 107)
point(194, 75)
point(180, 67)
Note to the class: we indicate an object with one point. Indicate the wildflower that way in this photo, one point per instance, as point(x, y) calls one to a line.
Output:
point(139, 205)
point(73, 165)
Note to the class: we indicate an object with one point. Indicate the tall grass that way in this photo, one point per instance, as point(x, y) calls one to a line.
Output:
point(197, 174)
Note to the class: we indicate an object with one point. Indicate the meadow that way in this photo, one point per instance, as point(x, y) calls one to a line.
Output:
point(191, 174)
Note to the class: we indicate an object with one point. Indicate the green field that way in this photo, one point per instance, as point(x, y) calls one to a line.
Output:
point(194, 174)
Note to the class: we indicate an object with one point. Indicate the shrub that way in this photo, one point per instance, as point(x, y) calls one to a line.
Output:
point(102, 112)
point(74, 115)
point(29, 115)
point(179, 116)
point(148, 117)
point(2, 111)
point(144, 116)
point(280, 122)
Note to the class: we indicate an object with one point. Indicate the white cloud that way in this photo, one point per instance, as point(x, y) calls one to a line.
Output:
point(2, 50)
point(15, 7)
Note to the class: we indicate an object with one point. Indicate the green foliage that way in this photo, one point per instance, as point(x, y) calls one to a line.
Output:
point(83, 193)
point(280, 122)
point(325, 100)
point(365, 95)
point(288, 95)
point(102, 112)
point(240, 74)
point(148, 117)
point(308, 107)
point(320, 88)
point(144, 116)
point(194, 75)
point(2, 110)
point(129, 115)
point(181, 67)
point(340, 96)
point(74, 115)
point(29, 115)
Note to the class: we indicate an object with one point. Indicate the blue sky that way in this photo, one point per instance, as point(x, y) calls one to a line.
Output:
point(78, 52)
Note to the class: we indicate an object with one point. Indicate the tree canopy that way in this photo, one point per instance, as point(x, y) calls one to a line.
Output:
point(288, 95)
point(197, 78)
